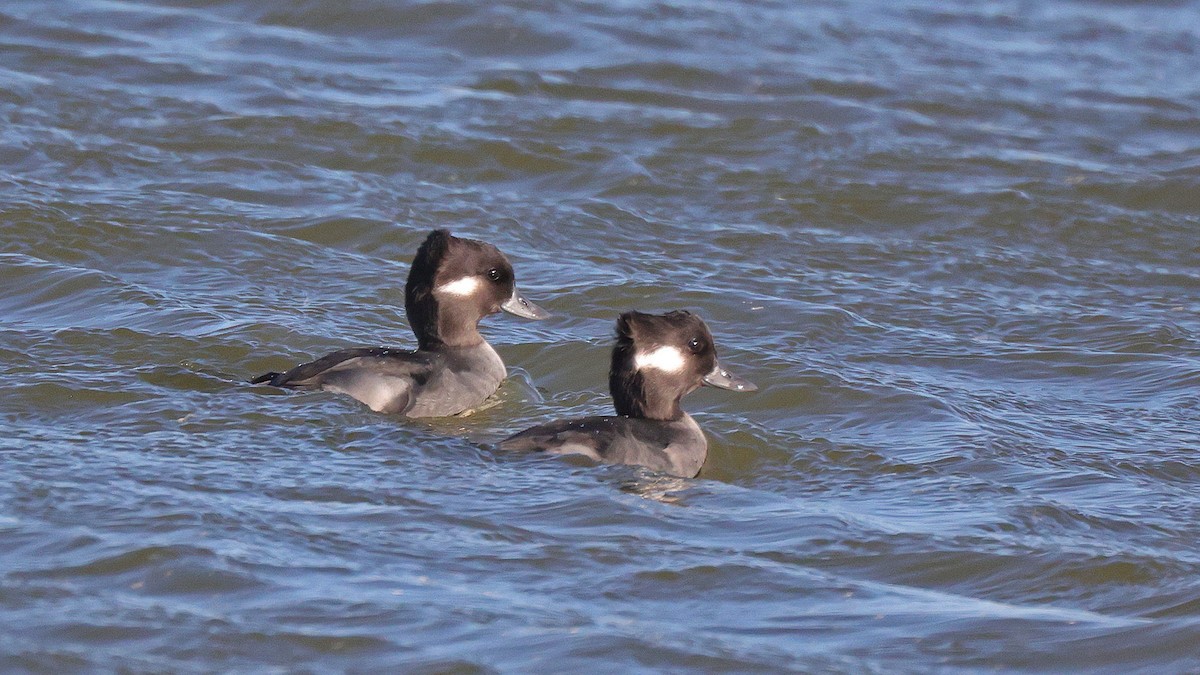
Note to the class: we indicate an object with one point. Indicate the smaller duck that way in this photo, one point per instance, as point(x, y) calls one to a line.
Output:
point(656, 361)
point(453, 284)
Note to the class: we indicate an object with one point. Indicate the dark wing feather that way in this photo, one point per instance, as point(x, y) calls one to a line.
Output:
point(589, 431)
point(380, 360)
point(607, 439)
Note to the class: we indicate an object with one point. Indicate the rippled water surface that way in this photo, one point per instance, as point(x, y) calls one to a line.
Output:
point(957, 245)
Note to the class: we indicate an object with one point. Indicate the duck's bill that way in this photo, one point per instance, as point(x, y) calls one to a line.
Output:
point(719, 377)
point(523, 308)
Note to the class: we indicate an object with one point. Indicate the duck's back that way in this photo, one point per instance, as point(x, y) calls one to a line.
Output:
point(677, 447)
point(382, 378)
point(423, 383)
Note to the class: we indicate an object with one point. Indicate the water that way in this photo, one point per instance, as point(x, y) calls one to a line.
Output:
point(955, 244)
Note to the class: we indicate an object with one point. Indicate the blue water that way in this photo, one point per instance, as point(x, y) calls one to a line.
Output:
point(954, 244)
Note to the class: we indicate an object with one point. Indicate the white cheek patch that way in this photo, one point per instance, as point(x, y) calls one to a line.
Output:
point(665, 358)
point(463, 287)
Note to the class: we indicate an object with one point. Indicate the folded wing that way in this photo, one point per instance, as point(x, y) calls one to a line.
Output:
point(384, 379)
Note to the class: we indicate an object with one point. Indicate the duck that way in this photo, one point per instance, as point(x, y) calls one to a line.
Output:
point(454, 283)
point(657, 359)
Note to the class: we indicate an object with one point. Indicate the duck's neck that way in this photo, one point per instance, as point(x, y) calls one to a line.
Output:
point(439, 327)
point(632, 398)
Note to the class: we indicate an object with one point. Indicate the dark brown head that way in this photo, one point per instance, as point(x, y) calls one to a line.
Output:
point(660, 358)
point(453, 284)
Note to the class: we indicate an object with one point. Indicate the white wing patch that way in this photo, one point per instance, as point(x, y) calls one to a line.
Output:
point(666, 358)
point(463, 286)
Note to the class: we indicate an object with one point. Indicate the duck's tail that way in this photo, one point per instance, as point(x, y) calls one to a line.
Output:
point(269, 378)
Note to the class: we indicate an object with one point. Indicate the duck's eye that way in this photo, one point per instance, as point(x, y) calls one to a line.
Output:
point(695, 345)
point(494, 274)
